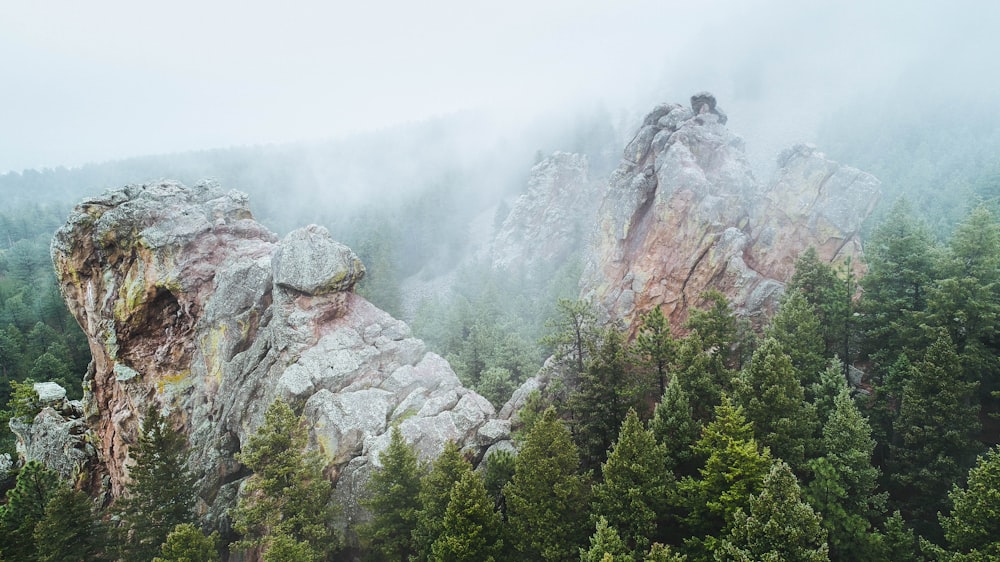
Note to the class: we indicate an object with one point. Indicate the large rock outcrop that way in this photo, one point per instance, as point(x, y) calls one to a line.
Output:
point(193, 307)
point(684, 214)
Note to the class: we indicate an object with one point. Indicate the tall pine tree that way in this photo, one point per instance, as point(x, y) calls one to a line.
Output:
point(471, 528)
point(392, 496)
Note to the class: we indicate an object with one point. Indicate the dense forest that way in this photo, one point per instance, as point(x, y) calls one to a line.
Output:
point(860, 424)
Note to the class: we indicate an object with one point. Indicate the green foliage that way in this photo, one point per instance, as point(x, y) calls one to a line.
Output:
point(605, 544)
point(703, 378)
point(829, 297)
point(662, 553)
point(499, 471)
point(547, 498)
point(937, 422)
point(391, 496)
point(573, 334)
point(24, 400)
point(715, 324)
point(797, 330)
point(25, 508)
point(733, 471)
point(635, 486)
point(286, 502)
point(824, 393)
point(434, 493)
point(161, 492)
point(187, 543)
point(676, 429)
point(655, 346)
point(773, 400)
point(70, 530)
point(973, 526)
point(471, 528)
point(779, 526)
point(605, 392)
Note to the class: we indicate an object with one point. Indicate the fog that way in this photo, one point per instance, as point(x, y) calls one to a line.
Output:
point(112, 79)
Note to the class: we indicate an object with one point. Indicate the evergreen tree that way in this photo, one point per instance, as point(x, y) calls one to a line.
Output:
point(635, 485)
point(830, 299)
point(605, 545)
point(655, 345)
point(797, 330)
point(703, 376)
point(734, 470)
point(715, 324)
point(392, 496)
point(434, 493)
point(937, 421)
point(773, 399)
point(573, 333)
point(973, 526)
point(187, 543)
point(824, 393)
point(499, 471)
point(161, 492)
point(844, 485)
point(899, 542)
point(25, 508)
point(547, 499)
point(471, 529)
point(286, 502)
point(605, 393)
point(69, 531)
point(676, 429)
point(778, 526)
point(662, 553)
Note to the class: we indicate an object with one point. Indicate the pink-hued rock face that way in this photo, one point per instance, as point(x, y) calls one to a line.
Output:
point(193, 307)
point(684, 214)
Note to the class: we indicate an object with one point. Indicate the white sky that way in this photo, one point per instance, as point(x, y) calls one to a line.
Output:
point(97, 80)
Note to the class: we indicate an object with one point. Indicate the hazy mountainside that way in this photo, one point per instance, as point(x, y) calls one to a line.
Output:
point(684, 214)
point(192, 306)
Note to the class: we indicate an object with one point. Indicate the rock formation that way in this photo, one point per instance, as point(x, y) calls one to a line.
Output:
point(684, 214)
point(551, 219)
point(192, 306)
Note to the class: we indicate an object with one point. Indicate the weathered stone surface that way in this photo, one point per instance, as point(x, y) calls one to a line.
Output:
point(308, 260)
point(190, 305)
point(58, 438)
point(49, 392)
point(550, 219)
point(684, 214)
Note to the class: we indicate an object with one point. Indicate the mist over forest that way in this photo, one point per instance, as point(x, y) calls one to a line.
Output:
point(469, 157)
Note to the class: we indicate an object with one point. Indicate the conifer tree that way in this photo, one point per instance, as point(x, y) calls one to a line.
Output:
point(187, 543)
point(715, 324)
point(635, 485)
point(773, 399)
point(824, 393)
point(471, 529)
point(392, 496)
point(777, 526)
point(676, 429)
point(547, 499)
point(161, 492)
point(605, 544)
point(663, 553)
point(703, 376)
point(655, 345)
point(973, 526)
point(797, 330)
point(734, 469)
point(605, 393)
point(830, 299)
point(937, 422)
point(433, 495)
point(25, 508)
point(70, 530)
point(286, 502)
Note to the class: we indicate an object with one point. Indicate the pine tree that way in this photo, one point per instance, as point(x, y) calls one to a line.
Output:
point(830, 299)
point(656, 346)
point(471, 529)
point(434, 493)
point(676, 429)
point(797, 330)
point(161, 492)
point(773, 399)
point(662, 553)
point(973, 526)
point(286, 501)
point(573, 333)
point(777, 526)
point(605, 544)
point(547, 499)
point(605, 393)
point(715, 324)
point(937, 422)
point(187, 543)
point(734, 470)
point(70, 530)
point(703, 376)
point(392, 497)
point(25, 508)
point(635, 485)
point(824, 393)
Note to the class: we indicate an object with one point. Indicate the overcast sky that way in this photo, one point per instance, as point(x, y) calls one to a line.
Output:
point(99, 80)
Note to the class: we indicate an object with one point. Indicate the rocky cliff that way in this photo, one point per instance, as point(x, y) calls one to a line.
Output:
point(192, 306)
point(684, 214)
